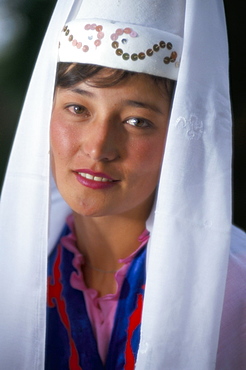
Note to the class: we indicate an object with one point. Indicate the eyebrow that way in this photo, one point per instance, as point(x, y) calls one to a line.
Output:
point(144, 105)
point(128, 102)
point(82, 92)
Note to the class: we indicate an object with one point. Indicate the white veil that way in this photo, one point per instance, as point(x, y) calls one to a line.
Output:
point(190, 227)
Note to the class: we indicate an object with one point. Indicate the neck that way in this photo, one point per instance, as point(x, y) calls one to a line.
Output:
point(104, 240)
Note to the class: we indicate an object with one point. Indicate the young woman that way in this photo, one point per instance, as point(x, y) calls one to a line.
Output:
point(129, 177)
point(107, 138)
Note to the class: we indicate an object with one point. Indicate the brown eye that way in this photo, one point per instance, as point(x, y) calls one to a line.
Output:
point(138, 122)
point(78, 110)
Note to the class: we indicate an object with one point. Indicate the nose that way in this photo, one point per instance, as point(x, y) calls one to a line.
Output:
point(100, 142)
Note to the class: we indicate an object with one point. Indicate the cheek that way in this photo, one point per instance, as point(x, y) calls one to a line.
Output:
point(146, 158)
point(60, 140)
point(60, 148)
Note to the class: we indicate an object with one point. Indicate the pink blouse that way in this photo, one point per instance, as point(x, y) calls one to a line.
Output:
point(101, 310)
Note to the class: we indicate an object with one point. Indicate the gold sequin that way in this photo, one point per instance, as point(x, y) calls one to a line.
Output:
point(119, 51)
point(125, 56)
point(156, 47)
point(115, 44)
point(149, 52)
point(141, 56)
point(173, 56)
point(134, 57)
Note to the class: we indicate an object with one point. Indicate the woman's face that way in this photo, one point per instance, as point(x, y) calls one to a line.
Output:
point(107, 145)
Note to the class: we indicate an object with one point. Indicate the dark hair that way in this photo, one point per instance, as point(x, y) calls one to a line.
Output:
point(70, 74)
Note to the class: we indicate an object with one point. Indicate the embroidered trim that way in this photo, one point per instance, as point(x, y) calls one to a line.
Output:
point(88, 27)
point(193, 126)
point(55, 298)
point(134, 322)
point(116, 44)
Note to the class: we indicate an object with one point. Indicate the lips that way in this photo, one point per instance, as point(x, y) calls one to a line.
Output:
point(94, 180)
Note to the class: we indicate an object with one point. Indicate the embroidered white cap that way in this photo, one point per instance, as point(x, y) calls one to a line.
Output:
point(126, 35)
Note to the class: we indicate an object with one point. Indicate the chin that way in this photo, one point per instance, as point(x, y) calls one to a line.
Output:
point(87, 210)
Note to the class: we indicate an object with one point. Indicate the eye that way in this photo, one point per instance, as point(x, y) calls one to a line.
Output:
point(77, 109)
point(138, 122)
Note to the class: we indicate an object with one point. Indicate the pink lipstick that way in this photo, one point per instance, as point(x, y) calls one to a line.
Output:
point(94, 180)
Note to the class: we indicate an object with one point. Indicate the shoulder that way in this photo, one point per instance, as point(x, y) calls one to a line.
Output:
point(232, 341)
point(238, 240)
point(237, 257)
point(236, 275)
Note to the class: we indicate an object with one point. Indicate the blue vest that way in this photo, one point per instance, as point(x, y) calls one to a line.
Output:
point(70, 342)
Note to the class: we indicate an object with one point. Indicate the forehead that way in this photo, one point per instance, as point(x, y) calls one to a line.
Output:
point(138, 87)
point(69, 75)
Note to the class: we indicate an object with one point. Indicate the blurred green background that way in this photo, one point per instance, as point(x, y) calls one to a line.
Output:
point(22, 26)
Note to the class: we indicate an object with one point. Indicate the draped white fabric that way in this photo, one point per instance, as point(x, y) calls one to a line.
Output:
point(191, 235)
point(24, 216)
point(190, 225)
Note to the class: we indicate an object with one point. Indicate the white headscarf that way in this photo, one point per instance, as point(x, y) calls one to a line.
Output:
point(190, 225)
